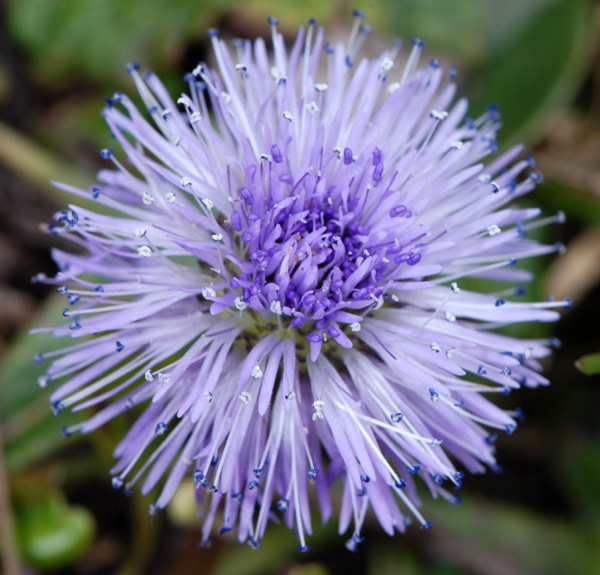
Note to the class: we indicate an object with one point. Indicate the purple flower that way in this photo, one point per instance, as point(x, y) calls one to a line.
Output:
point(277, 284)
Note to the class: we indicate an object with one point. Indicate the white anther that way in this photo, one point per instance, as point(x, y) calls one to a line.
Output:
point(437, 115)
point(449, 317)
point(185, 181)
point(318, 410)
point(291, 395)
point(216, 270)
point(217, 237)
point(184, 101)
point(170, 197)
point(240, 67)
point(195, 117)
point(387, 64)
point(245, 397)
point(435, 347)
point(149, 376)
point(312, 107)
point(493, 230)
point(436, 442)
point(240, 304)
point(208, 204)
point(528, 353)
point(450, 352)
point(43, 381)
point(458, 145)
point(355, 327)
point(166, 112)
point(164, 377)
point(385, 260)
point(266, 157)
point(208, 292)
point(321, 87)
point(208, 396)
point(226, 97)
point(256, 372)
point(484, 178)
point(288, 116)
point(454, 287)
point(275, 307)
point(145, 251)
point(147, 198)
point(393, 87)
point(395, 298)
point(140, 232)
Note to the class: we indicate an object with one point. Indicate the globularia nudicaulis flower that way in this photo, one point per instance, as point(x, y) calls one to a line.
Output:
point(278, 286)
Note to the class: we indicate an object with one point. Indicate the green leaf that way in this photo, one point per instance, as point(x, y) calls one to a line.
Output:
point(589, 364)
point(515, 538)
point(52, 534)
point(31, 430)
point(540, 68)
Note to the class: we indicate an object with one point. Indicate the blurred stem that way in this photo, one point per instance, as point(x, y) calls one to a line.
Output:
point(37, 165)
point(145, 532)
point(8, 543)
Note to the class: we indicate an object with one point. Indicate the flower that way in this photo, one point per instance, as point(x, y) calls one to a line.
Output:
point(275, 279)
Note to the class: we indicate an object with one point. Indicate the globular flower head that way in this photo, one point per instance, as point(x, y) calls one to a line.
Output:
point(274, 277)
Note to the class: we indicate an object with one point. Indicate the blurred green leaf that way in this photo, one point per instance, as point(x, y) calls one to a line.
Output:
point(577, 204)
point(589, 364)
point(538, 69)
point(96, 38)
point(451, 25)
point(580, 469)
point(52, 534)
point(275, 551)
point(520, 540)
point(31, 430)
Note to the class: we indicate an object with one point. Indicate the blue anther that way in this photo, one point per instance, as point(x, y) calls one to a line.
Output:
point(427, 525)
point(283, 505)
point(400, 484)
point(500, 302)
point(106, 153)
point(312, 473)
point(73, 298)
point(224, 530)
point(117, 482)
point(304, 549)
point(57, 407)
point(120, 346)
point(396, 417)
point(253, 485)
point(272, 21)
point(161, 428)
point(132, 67)
point(212, 32)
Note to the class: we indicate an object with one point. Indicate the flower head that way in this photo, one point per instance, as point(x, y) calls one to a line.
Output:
point(277, 284)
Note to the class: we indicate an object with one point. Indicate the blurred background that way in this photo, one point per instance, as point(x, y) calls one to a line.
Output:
point(537, 59)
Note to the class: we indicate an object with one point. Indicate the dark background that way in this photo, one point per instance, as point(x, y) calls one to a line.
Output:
point(537, 59)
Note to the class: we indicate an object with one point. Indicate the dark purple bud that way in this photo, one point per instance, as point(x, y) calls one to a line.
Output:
point(348, 156)
point(397, 211)
point(276, 153)
point(414, 259)
point(236, 221)
point(247, 196)
point(377, 157)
